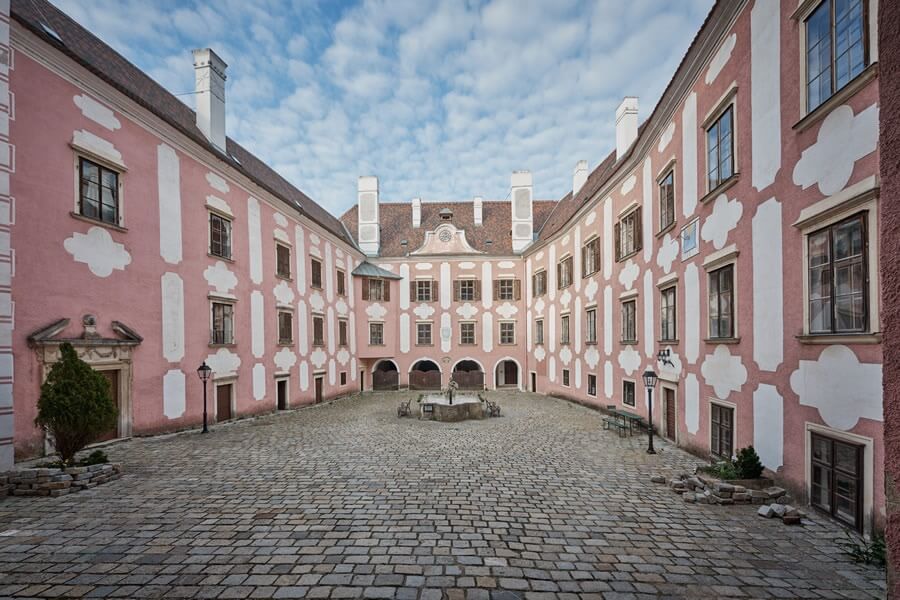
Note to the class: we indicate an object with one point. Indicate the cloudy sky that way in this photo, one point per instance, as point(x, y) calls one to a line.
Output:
point(440, 99)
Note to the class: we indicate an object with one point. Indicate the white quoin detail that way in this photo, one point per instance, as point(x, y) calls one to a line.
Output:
point(367, 215)
point(417, 212)
point(521, 192)
point(579, 177)
point(477, 210)
point(209, 77)
point(626, 125)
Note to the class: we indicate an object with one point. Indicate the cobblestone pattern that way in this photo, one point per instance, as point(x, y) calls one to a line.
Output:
point(345, 500)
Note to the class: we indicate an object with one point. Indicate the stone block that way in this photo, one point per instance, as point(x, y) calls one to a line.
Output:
point(60, 492)
point(779, 509)
point(774, 492)
point(657, 479)
point(741, 497)
point(791, 520)
point(720, 487)
point(61, 477)
point(76, 470)
point(689, 497)
point(766, 511)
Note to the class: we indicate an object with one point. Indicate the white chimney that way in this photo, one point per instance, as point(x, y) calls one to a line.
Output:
point(579, 178)
point(626, 125)
point(477, 207)
point(369, 232)
point(209, 77)
point(521, 192)
point(417, 212)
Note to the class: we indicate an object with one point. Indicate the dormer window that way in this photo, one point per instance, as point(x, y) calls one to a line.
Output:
point(446, 214)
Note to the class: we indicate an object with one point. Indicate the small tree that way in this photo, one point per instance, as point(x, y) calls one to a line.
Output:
point(75, 406)
point(748, 464)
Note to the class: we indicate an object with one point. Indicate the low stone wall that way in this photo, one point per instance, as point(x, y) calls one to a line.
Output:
point(57, 482)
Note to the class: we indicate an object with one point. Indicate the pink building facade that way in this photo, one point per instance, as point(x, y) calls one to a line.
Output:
point(735, 230)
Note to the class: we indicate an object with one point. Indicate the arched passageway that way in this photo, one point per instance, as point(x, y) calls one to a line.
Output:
point(385, 376)
point(425, 375)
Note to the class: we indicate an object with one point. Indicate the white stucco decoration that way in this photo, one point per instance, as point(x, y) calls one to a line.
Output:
point(647, 213)
point(423, 311)
point(607, 239)
point(259, 381)
point(539, 306)
point(577, 373)
point(551, 369)
point(317, 302)
point(342, 356)
point(565, 240)
point(629, 274)
point(423, 266)
point(843, 389)
point(445, 287)
point(332, 371)
point(670, 372)
point(172, 288)
point(540, 354)
point(539, 256)
point(725, 216)
point(220, 277)
point(257, 324)
point(98, 113)
point(608, 379)
point(173, 394)
point(375, 311)
point(283, 293)
point(565, 298)
point(629, 360)
point(254, 240)
point(689, 155)
point(507, 264)
point(843, 139)
point(724, 372)
point(551, 273)
point(219, 204)
point(768, 425)
point(550, 338)
point(329, 275)
point(607, 320)
point(386, 266)
point(720, 58)
point(507, 310)
point(487, 332)
point(168, 173)
point(97, 145)
point(338, 253)
point(466, 311)
point(565, 355)
point(285, 359)
point(318, 358)
point(666, 137)
point(314, 239)
point(300, 260)
point(341, 307)
point(282, 236)
point(592, 357)
point(466, 265)
point(768, 291)
point(649, 332)
point(591, 218)
point(692, 404)
point(628, 185)
point(446, 332)
point(668, 252)
point(404, 333)
point(591, 289)
point(692, 313)
point(487, 299)
point(353, 368)
point(98, 251)
point(330, 327)
point(280, 219)
point(765, 92)
point(224, 362)
point(217, 183)
point(304, 376)
point(302, 320)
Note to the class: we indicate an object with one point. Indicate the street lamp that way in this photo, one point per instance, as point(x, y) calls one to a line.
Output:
point(650, 383)
point(204, 372)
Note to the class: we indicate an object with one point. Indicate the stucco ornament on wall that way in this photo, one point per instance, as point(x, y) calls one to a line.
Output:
point(725, 216)
point(671, 371)
point(173, 394)
point(843, 139)
point(629, 274)
point(423, 311)
point(666, 137)
point(592, 216)
point(507, 310)
point(539, 306)
point(98, 251)
point(466, 311)
point(343, 356)
point(668, 252)
point(318, 303)
point(565, 355)
point(720, 59)
point(592, 357)
point(842, 388)
point(341, 307)
point(285, 359)
point(628, 185)
point(591, 289)
point(565, 298)
point(540, 354)
point(629, 360)
point(318, 358)
point(280, 219)
point(217, 183)
point(724, 372)
point(224, 362)
point(283, 293)
point(220, 277)
point(97, 112)
point(506, 264)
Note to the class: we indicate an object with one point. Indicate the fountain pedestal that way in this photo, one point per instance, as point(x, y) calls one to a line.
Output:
point(437, 407)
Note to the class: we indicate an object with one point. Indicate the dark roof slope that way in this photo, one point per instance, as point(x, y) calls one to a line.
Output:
point(396, 224)
point(89, 51)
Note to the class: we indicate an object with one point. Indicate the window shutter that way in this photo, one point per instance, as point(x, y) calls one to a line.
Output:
point(517, 289)
point(365, 288)
point(434, 291)
point(559, 270)
point(496, 290)
point(456, 291)
point(386, 286)
point(534, 288)
point(477, 289)
point(596, 249)
point(413, 296)
point(584, 253)
point(618, 235)
point(638, 229)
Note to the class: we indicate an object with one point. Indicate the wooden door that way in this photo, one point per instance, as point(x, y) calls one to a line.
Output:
point(669, 395)
point(281, 393)
point(319, 382)
point(534, 382)
point(511, 374)
point(837, 479)
point(223, 402)
point(112, 377)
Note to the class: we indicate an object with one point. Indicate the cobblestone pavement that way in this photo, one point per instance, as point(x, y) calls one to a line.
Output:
point(345, 500)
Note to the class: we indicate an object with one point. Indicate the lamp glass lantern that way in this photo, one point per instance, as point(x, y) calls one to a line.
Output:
point(650, 378)
point(204, 372)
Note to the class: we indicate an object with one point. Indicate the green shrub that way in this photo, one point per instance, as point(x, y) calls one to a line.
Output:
point(75, 406)
point(97, 457)
point(870, 552)
point(748, 465)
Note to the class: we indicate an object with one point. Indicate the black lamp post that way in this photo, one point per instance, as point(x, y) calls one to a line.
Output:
point(650, 383)
point(204, 372)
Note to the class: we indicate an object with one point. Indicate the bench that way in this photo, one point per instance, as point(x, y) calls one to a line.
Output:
point(403, 409)
point(613, 420)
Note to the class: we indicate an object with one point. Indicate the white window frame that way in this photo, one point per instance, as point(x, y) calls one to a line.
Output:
point(500, 332)
point(430, 325)
point(594, 395)
point(474, 325)
point(539, 342)
point(382, 332)
point(735, 446)
point(634, 383)
point(119, 168)
point(728, 99)
point(220, 300)
point(713, 262)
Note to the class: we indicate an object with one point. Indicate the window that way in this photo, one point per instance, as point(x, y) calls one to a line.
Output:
point(507, 332)
point(375, 289)
point(539, 283)
point(629, 332)
point(283, 261)
point(467, 334)
point(423, 334)
point(835, 48)
point(564, 329)
point(222, 323)
point(98, 197)
point(341, 283)
point(423, 290)
point(721, 302)
point(342, 332)
point(667, 200)
point(219, 236)
point(838, 278)
point(628, 393)
point(566, 377)
point(507, 289)
point(376, 334)
point(837, 479)
point(564, 273)
point(667, 331)
point(285, 327)
point(318, 331)
point(721, 433)
point(592, 385)
point(590, 257)
point(720, 149)
point(590, 326)
point(539, 331)
point(467, 290)
point(343, 377)
point(629, 234)
point(315, 273)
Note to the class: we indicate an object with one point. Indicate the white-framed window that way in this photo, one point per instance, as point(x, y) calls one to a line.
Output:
point(539, 283)
point(221, 323)
point(467, 290)
point(539, 331)
point(467, 333)
point(720, 164)
point(376, 289)
point(343, 330)
point(423, 334)
point(318, 330)
point(565, 378)
point(219, 235)
point(590, 325)
point(721, 430)
point(629, 234)
point(835, 34)
point(376, 334)
point(507, 289)
point(99, 191)
point(590, 257)
point(315, 273)
point(423, 290)
point(283, 261)
point(285, 327)
point(722, 311)
point(341, 283)
point(629, 321)
point(564, 329)
point(564, 273)
point(667, 314)
point(628, 393)
point(507, 332)
point(592, 385)
point(667, 200)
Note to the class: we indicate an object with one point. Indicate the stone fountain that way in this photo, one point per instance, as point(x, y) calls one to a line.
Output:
point(451, 406)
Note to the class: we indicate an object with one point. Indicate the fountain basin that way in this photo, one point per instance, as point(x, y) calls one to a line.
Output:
point(437, 407)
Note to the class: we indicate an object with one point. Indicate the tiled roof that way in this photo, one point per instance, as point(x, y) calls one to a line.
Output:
point(367, 269)
point(89, 51)
point(396, 224)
